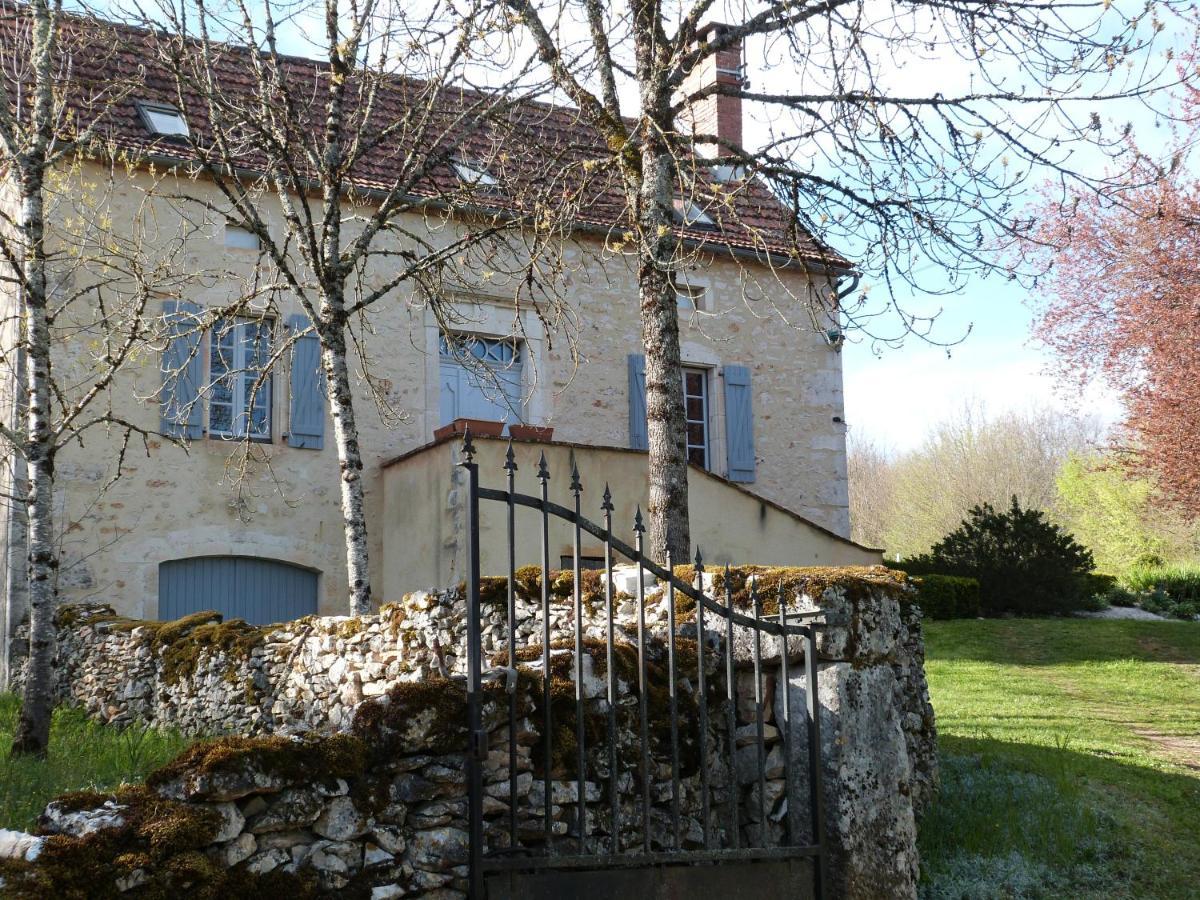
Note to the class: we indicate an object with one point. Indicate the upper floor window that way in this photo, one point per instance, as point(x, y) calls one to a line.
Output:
point(239, 403)
point(480, 378)
point(237, 238)
point(162, 119)
point(689, 297)
point(695, 405)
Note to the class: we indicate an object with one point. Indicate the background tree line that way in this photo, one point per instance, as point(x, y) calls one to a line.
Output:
point(1062, 465)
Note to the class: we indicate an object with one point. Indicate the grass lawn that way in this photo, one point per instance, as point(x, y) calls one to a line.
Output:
point(1070, 759)
point(83, 755)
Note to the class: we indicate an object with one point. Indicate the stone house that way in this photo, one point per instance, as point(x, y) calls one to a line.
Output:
point(179, 532)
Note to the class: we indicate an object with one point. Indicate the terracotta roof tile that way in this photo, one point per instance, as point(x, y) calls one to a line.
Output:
point(537, 149)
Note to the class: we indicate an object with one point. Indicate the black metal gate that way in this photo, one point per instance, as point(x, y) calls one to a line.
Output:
point(513, 855)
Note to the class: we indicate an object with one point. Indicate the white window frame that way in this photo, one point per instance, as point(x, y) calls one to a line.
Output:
point(706, 397)
point(163, 119)
point(242, 375)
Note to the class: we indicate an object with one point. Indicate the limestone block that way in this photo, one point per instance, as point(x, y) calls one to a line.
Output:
point(232, 821)
point(341, 820)
point(292, 809)
point(59, 819)
point(867, 775)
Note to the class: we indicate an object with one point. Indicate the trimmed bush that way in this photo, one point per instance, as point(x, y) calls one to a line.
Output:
point(948, 596)
point(1024, 564)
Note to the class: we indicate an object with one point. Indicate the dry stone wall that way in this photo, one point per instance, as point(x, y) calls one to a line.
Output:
point(372, 709)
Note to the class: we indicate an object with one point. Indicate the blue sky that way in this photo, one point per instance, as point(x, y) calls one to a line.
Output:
point(894, 397)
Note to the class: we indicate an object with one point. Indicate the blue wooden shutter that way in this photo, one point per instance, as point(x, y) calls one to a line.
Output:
point(739, 423)
point(638, 438)
point(307, 420)
point(182, 369)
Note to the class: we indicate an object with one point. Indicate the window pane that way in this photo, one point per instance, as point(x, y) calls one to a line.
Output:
point(695, 433)
point(220, 418)
point(695, 408)
point(693, 383)
point(696, 456)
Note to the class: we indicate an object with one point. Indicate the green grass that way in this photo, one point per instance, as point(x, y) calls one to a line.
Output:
point(1071, 759)
point(83, 755)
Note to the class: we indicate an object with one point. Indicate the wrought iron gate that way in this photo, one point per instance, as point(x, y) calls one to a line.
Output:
point(504, 843)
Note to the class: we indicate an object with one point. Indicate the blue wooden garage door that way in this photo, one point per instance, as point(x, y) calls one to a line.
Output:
point(261, 591)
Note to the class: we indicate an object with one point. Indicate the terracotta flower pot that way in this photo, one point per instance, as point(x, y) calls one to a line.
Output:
point(531, 432)
point(479, 428)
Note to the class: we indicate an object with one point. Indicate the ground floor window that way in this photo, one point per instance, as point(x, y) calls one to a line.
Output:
point(696, 415)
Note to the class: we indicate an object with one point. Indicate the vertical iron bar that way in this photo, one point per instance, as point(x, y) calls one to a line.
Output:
point(613, 799)
point(639, 530)
point(702, 688)
point(731, 700)
point(510, 467)
point(815, 773)
point(785, 721)
point(672, 677)
point(548, 737)
point(581, 774)
point(476, 738)
point(756, 604)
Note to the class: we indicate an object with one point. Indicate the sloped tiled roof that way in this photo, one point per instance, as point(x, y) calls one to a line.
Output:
point(540, 147)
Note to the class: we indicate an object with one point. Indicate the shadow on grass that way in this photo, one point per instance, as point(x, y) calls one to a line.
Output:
point(1022, 821)
point(1039, 642)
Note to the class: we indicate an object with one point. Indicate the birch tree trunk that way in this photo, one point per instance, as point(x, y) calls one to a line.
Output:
point(350, 465)
point(33, 728)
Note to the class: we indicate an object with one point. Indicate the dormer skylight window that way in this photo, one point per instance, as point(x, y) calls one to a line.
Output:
point(162, 119)
point(690, 215)
point(474, 174)
point(727, 174)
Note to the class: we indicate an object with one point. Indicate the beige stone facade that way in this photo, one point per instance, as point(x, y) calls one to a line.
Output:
point(173, 502)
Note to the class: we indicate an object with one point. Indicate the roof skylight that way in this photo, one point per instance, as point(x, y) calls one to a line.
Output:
point(162, 119)
point(474, 173)
point(690, 215)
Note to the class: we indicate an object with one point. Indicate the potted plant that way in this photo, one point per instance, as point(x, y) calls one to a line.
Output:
point(479, 428)
point(519, 432)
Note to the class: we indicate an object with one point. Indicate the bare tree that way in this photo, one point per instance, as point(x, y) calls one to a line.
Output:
point(898, 171)
point(384, 162)
point(70, 276)
point(913, 499)
point(869, 472)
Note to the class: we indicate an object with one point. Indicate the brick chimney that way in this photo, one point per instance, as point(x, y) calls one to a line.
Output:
point(715, 114)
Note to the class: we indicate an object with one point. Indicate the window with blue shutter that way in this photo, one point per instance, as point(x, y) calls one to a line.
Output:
point(739, 423)
point(638, 437)
point(182, 370)
point(307, 414)
point(479, 378)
